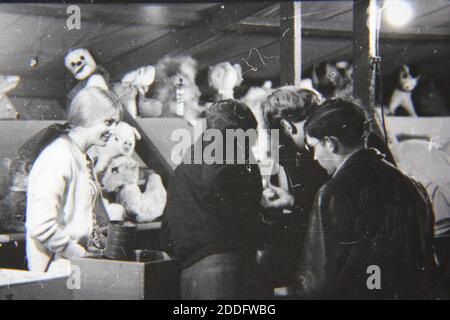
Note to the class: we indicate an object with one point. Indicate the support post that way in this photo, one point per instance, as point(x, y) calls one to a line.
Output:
point(362, 88)
point(290, 44)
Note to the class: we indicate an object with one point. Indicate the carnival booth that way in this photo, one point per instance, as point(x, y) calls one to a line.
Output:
point(166, 64)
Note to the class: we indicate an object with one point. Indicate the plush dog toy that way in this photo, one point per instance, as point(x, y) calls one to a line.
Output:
point(416, 94)
point(224, 77)
point(402, 95)
point(7, 109)
point(122, 176)
point(175, 86)
point(333, 79)
point(122, 142)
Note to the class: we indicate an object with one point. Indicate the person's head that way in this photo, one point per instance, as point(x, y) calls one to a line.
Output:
point(286, 109)
point(94, 112)
point(233, 114)
point(230, 114)
point(334, 130)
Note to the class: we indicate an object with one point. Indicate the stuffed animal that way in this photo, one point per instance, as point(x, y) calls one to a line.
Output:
point(122, 142)
point(121, 176)
point(254, 98)
point(132, 83)
point(224, 77)
point(13, 206)
point(415, 95)
point(149, 107)
point(333, 79)
point(402, 95)
point(84, 68)
point(176, 89)
point(7, 109)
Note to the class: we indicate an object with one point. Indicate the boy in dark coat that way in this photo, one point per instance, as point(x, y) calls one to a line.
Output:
point(370, 232)
point(211, 220)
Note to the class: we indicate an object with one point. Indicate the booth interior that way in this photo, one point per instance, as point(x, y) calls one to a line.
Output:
point(155, 45)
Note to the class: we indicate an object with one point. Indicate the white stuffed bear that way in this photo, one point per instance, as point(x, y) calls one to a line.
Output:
point(132, 83)
point(122, 176)
point(84, 68)
point(170, 73)
point(122, 142)
point(7, 109)
point(224, 77)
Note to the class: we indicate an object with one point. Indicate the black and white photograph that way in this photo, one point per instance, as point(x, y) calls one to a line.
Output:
point(228, 151)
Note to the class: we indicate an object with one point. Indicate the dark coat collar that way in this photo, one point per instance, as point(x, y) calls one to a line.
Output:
point(362, 156)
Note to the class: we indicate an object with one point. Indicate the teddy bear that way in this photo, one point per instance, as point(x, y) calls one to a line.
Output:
point(122, 176)
point(175, 87)
point(84, 68)
point(224, 77)
point(7, 109)
point(122, 142)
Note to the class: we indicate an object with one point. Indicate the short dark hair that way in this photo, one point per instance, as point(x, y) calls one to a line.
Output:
point(340, 118)
point(289, 103)
point(230, 114)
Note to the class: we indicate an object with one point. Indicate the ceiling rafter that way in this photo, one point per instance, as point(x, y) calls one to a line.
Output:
point(316, 30)
point(150, 14)
point(180, 40)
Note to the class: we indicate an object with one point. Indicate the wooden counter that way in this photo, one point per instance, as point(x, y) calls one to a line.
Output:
point(25, 285)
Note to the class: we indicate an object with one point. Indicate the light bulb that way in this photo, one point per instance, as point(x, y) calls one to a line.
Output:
point(397, 12)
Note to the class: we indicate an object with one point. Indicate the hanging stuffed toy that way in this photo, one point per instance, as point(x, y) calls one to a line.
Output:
point(84, 68)
point(7, 109)
point(131, 92)
point(224, 77)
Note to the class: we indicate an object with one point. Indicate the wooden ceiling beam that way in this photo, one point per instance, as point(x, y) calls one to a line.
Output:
point(272, 27)
point(150, 14)
point(227, 15)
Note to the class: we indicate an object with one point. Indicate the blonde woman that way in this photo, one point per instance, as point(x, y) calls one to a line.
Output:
point(64, 203)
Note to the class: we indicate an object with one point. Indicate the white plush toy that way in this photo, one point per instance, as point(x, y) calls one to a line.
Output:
point(402, 95)
point(132, 83)
point(7, 109)
point(176, 89)
point(83, 67)
point(122, 142)
point(122, 176)
point(254, 98)
point(224, 77)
